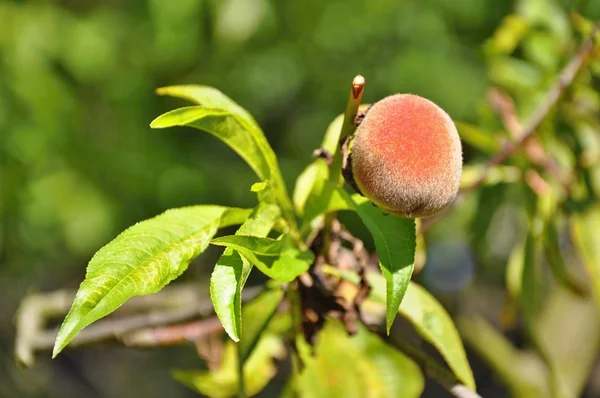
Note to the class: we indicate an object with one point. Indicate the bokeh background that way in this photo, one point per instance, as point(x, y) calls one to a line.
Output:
point(79, 163)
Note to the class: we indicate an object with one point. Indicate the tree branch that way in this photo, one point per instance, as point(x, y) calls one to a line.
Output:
point(563, 81)
point(173, 304)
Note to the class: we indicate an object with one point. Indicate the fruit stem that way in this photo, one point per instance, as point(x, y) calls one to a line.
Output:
point(348, 126)
point(335, 171)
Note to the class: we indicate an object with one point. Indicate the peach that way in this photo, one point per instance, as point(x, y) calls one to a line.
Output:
point(407, 156)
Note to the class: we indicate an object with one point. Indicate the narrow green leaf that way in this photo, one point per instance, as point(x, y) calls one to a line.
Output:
point(356, 367)
point(524, 278)
point(279, 259)
point(229, 128)
point(432, 322)
point(556, 260)
point(232, 270)
point(263, 246)
point(142, 260)
point(240, 134)
point(207, 96)
point(311, 182)
point(585, 231)
point(332, 134)
point(395, 242)
point(259, 369)
point(257, 315)
point(326, 197)
point(306, 181)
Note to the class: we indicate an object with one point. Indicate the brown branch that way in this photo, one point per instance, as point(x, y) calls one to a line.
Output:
point(173, 304)
point(504, 106)
point(564, 80)
point(172, 334)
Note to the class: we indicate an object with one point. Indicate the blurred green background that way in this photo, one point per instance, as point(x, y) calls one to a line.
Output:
point(79, 163)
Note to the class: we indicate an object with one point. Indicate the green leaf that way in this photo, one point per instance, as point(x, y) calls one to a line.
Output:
point(326, 197)
point(432, 322)
point(207, 96)
point(395, 242)
point(142, 260)
point(232, 270)
point(523, 278)
point(257, 315)
point(279, 259)
point(332, 134)
point(306, 181)
point(223, 382)
point(312, 195)
point(241, 135)
point(585, 231)
point(556, 260)
point(356, 367)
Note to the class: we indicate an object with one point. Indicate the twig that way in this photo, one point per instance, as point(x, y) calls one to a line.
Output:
point(240, 370)
point(504, 106)
point(564, 80)
point(173, 304)
point(172, 334)
point(348, 127)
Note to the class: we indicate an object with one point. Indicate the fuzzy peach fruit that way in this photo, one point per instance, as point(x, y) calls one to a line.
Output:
point(407, 156)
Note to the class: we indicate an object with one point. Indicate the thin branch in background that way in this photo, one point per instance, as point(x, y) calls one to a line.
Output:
point(504, 106)
point(522, 134)
point(172, 334)
point(174, 304)
point(564, 80)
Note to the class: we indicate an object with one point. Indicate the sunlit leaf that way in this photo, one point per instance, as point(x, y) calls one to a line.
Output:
point(279, 259)
point(395, 242)
point(223, 382)
point(325, 197)
point(142, 260)
point(306, 181)
point(355, 367)
point(232, 270)
point(432, 322)
point(312, 195)
point(241, 135)
point(586, 229)
point(207, 96)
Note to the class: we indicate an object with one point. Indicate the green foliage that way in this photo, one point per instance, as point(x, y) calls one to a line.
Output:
point(277, 258)
point(234, 127)
point(143, 260)
point(231, 271)
point(77, 163)
point(358, 366)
